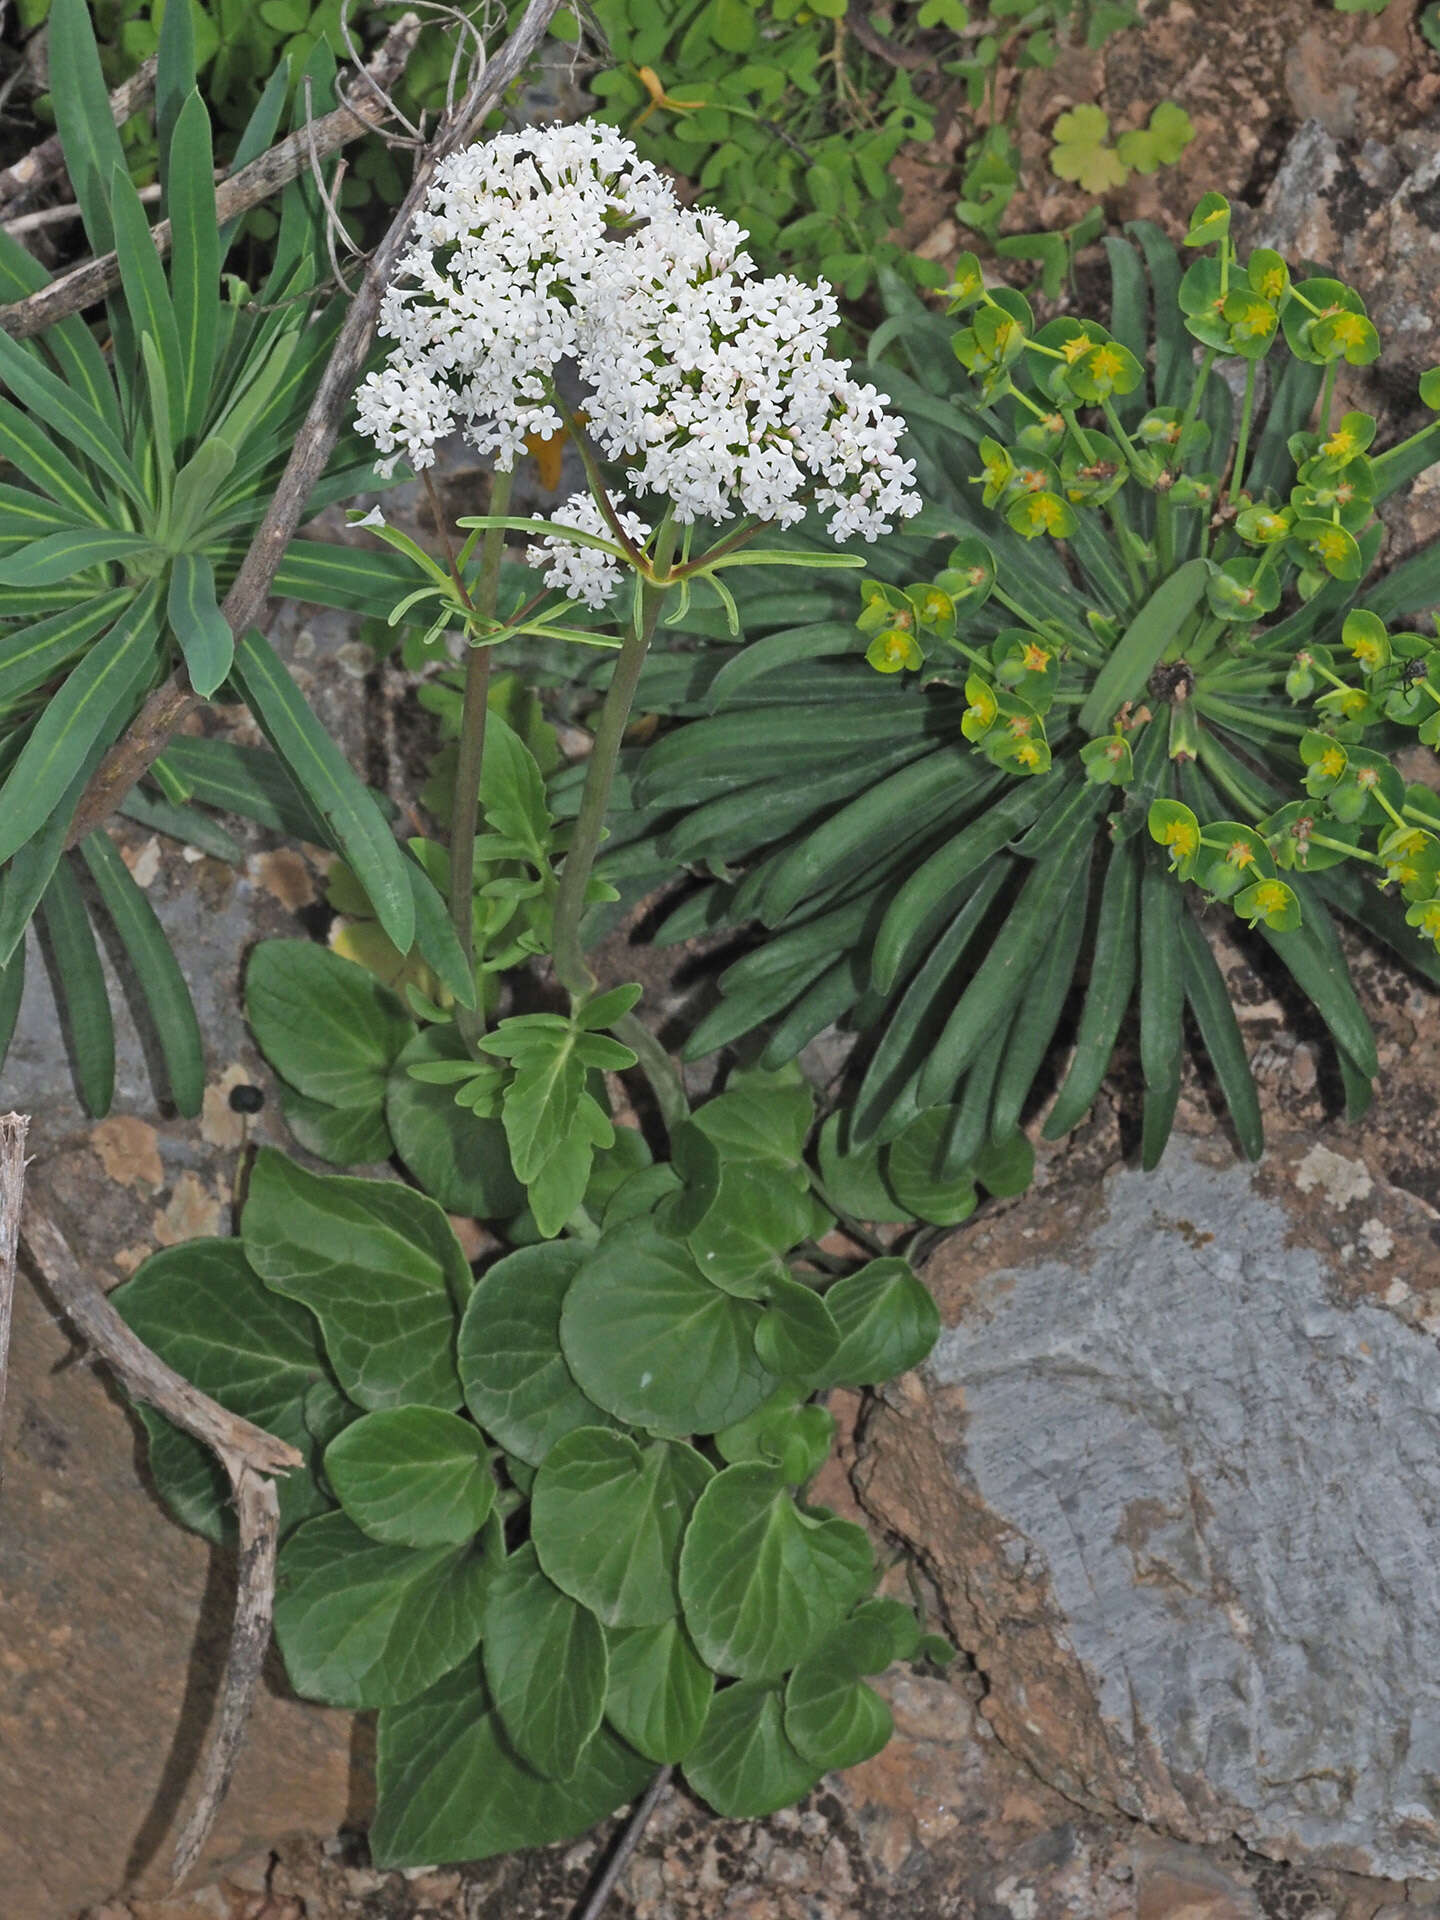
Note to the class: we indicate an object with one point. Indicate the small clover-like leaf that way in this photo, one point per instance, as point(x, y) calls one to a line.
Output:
point(1081, 151)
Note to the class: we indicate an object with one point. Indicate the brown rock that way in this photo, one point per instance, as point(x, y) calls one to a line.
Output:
point(114, 1633)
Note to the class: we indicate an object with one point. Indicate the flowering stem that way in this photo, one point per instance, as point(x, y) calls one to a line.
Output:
point(572, 969)
point(465, 808)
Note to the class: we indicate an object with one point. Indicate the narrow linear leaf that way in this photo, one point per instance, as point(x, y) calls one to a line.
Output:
point(158, 971)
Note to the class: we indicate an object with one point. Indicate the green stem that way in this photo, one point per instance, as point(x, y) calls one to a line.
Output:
point(1165, 531)
point(1242, 445)
point(465, 809)
point(1192, 408)
point(1327, 396)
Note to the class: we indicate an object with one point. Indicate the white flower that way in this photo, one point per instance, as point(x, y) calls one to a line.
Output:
point(584, 573)
point(709, 386)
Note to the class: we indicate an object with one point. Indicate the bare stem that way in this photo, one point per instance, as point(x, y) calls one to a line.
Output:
point(629, 1840)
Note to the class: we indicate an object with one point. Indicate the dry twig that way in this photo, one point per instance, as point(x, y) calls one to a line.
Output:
point(20, 183)
point(629, 1840)
point(247, 1453)
point(13, 1128)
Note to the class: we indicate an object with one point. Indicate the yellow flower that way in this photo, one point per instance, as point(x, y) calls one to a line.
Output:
point(1271, 896)
point(1341, 445)
point(1331, 544)
point(1427, 920)
point(1028, 755)
point(1240, 854)
point(1182, 836)
point(1272, 283)
point(1332, 762)
point(1107, 364)
point(1073, 348)
point(1035, 657)
point(1348, 328)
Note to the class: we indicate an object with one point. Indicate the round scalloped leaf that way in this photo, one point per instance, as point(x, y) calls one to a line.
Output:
point(744, 1765)
point(660, 1690)
point(607, 1517)
point(761, 1582)
point(516, 1382)
point(651, 1341)
point(888, 1323)
point(413, 1476)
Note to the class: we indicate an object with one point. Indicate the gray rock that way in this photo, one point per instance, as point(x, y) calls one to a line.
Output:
point(1194, 1514)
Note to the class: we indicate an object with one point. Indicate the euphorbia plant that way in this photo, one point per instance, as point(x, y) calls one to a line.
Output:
point(1153, 574)
point(554, 1524)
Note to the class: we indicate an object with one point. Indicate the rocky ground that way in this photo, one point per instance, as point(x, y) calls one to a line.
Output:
point(1168, 1479)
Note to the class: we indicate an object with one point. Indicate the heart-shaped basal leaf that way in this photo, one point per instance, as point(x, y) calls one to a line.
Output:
point(516, 1381)
point(450, 1786)
point(919, 1172)
point(413, 1477)
point(345, 1136)
point(545, 1665)
point(659, 1691)
point(758, 1214)
point(760, 1116)
point(796, 1337)
point(888, 1323)
point(761, 1583)
point(203, 1309)
point(459, 1159)
point(651, 1340)
point(607, 1517)
point(327, 1027)
point(744, 1764)
point(365, 1625)
point(379, 1267)
point(783, 1433)
point(831, 1716)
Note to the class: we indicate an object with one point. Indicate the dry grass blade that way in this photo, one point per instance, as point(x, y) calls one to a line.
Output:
point(13, 1129)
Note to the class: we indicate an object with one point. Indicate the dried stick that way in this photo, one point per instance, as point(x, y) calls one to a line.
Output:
point(360, 113)
point(629, 1840)
point(150, 731)
point(13, 1128)
point(32, 171)
point(247, 1453)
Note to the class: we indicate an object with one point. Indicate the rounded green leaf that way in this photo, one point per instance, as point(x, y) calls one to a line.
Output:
point(888, 1323)
point(545, 1665)
point(607, 1517)
point(758, 1214)
point(853, 1180)
point(365, 1625)
point(459, 1159)
point(205, 1311)
point(795, 1438)
point(918, 1170)
point(514, 1375)
point(451, 1787)
point(660, 1690)
point(744, 1765)
point(796, 1337)
point(413, 1476)
point(651, 1341)
point(376, 1263)
point(761, 1582)
point(329, 1028)
point(831, 1717)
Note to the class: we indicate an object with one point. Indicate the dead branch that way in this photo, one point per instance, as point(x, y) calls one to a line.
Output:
point(248, 1455)
point(629, 1840)
point(33, 171)
point(257, 1515)
point(360, 113)
point(142, 1373)
point(13, 1129)
point(163, 712)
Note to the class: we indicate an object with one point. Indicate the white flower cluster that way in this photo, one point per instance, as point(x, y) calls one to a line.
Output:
point(709, 385)
point(584, 573)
